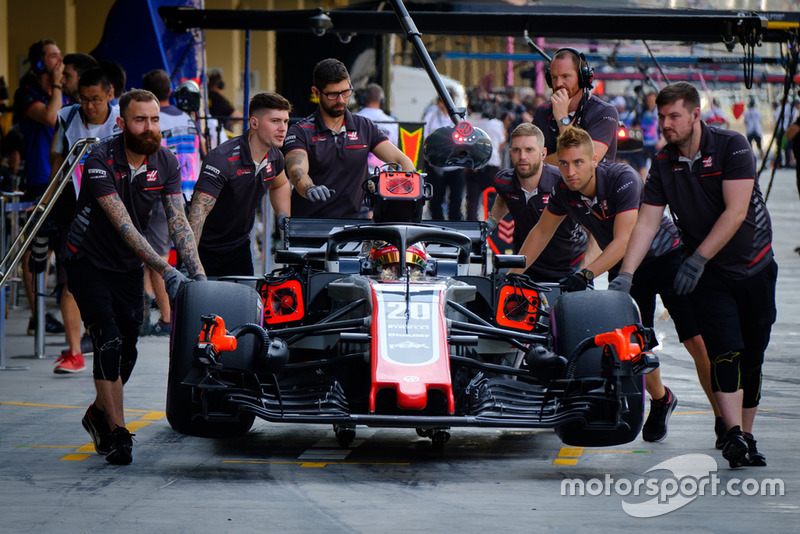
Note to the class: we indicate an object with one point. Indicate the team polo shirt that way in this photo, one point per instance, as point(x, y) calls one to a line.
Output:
point(106, 171)
point(72, 127)
point(599, 118)
point(566, 248)
point(619, 189)
point(179, 134)
point(230, 175)
point(693, 191)
point(336, 160)
point(37, 136)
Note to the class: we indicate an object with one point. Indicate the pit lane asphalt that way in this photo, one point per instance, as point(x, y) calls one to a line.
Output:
point(293, 478)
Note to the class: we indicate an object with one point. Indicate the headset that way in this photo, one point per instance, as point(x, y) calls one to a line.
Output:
point(36, 58)
point(585, 74)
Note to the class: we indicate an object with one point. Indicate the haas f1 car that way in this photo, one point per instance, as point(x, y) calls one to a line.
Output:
point(395, 323)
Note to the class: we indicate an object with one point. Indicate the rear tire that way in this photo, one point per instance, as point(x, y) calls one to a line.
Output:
point(576, 316)
point(236, 304)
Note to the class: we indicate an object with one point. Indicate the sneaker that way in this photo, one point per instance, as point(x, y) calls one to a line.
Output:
point(735, 449)
point(754, 457)
point(655, 428)
point(721, 430)
point(69, 363)
point(87, 347)
point(95, 423)
point(120, 451)
point(51, 325)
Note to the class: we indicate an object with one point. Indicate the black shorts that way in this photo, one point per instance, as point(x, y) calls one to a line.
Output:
point(736, 315)
point(238, 261)
point(102, 295)
point(657, 276)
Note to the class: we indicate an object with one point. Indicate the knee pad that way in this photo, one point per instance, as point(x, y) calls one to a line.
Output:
point(751, 384)
point(725, 372)
point(107, 350)
point(129, 354)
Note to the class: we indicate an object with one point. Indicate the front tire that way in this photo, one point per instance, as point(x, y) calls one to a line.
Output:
point(236, 304)
point(575, 317)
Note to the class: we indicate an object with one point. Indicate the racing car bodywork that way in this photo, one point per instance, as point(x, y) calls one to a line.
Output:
point(334, 338)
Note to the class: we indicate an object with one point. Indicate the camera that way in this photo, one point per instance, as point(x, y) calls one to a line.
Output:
point(187, 96)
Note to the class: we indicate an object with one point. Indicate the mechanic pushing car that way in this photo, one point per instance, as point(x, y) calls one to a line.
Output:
point(707, 176)
point(326, 153)
point(234, 178)
point(604, 198)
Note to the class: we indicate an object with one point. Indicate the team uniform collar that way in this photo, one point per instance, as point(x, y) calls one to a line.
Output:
point(244, 150)
point(118, 146)
point(708, 145)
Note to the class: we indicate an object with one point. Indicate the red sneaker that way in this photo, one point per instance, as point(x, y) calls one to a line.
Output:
point(70, 363)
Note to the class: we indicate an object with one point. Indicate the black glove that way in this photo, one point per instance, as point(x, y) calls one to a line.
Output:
point(689, 273)
point(622, 282)
point(319, 193)
point(173, 279)
point(282, 221)
point(577, 281)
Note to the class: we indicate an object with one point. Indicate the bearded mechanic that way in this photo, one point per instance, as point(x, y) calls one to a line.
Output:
point(123, 179)
point(234, 178)
point(326, 153)
point(604, 198)
point(524, 191)
point(572, 104)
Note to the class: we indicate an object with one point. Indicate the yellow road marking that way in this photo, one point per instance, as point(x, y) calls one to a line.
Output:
point(75, 457)
point(565, 461)
point(36, 405)
point(45, 446)
point(570, 451)
point(136, 425)
point(89, 447)
point(154, 416)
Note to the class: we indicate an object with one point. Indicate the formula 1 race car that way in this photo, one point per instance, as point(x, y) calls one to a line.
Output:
point(404, 324)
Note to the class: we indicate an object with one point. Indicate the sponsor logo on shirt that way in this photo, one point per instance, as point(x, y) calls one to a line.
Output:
point(545, 198)
point(240, 172)
point(152, 176)
point(624, 187)
point(317, 139)
point(234, 158)
point(707, 162)
point(353, 136)
point(212, 169)
point(289, 139)
point(677, 168)
point(268, 167)
point(99, 172)
point(742, 151)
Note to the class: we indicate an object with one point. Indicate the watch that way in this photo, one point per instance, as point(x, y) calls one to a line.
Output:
point(587, 274)
point(566, 121)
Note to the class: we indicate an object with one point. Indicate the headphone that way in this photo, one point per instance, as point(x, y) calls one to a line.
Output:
point(585, 74)
point(36, 58)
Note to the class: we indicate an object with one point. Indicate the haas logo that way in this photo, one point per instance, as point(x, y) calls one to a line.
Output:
point(464, 129)
point(152, 176)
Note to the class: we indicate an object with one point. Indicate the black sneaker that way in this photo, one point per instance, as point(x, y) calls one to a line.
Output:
point(735, 449)
point(721, 430)
point(52, 325)
point(754, 457)
point(87, 348)
point(121, 450)
point(655, 428)
point(95, 423)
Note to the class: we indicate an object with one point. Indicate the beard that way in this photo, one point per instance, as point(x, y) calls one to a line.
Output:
point(532, 169)
point(146, 143)
point(334, 110)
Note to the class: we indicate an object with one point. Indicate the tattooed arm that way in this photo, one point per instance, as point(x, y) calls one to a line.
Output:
point(297, 170)
point(121, 220)
point(181, 234)
point(202, 204)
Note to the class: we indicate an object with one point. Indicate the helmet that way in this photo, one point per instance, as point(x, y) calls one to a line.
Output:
point(385, 255)
point(461, 146)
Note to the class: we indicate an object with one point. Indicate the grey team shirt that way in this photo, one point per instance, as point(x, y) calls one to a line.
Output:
point(105, 172)
point(619, 189)
point(694, 194)
point(336, 161)
point(230, 175)
point(599, 118)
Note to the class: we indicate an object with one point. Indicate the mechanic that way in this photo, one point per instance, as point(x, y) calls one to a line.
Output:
point(233, 180)
point(604, 198)
point(707, 176)
point(524, 191)
point(326, 153)
point(125, 177)
point(572, 103)
point(94, 116)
